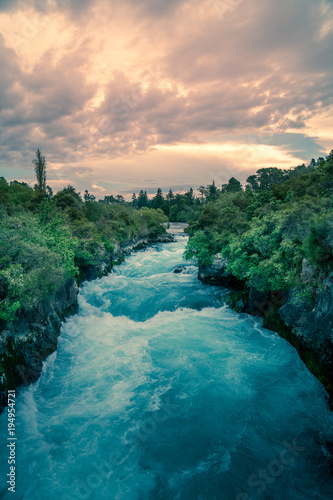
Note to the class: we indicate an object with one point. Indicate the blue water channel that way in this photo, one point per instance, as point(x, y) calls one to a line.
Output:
point(158, 391)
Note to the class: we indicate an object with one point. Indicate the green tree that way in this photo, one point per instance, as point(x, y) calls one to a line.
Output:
point(213, 192)
point(142, 199)
point(189, 197)
point(88, 197)
point(233, 186)
point(158, 200)
point(120, 200)
point(109, 200)
point(252, 182)
point(266, 178)
point(170, 196)
point(204, 193)
point(199, 248)
point(49, 192)
point(134, 201)
point(39, 164)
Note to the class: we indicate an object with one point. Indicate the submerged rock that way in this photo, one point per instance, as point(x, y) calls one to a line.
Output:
point(179, 269)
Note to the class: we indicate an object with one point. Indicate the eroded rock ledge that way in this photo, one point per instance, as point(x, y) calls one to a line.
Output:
point(33, 336)
point(307, 326)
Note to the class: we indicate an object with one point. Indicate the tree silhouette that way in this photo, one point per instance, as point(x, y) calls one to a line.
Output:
point(170, 196)
point(88, 197)
point(233, 186)
point(142, 199)
point(158, 200)
point(134, 201)
point(39, 164)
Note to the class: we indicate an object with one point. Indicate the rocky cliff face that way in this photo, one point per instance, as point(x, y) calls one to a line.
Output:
point(307, 326)
point(30, 339)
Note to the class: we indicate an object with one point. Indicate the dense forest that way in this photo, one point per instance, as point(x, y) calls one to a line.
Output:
point(46, 238)
point(276, 233)
point(268, 231)
point(177, 207)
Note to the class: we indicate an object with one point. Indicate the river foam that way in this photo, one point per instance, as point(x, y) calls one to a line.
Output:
point(159, 391)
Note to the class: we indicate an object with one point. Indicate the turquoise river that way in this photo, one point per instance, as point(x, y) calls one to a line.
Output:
point(158, 391)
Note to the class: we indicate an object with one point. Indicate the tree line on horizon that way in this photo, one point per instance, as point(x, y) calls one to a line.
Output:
point(182, 207)
point(178, 207)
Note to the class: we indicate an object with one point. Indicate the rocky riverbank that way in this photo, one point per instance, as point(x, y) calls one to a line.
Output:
point(306, 324)
point(33, 336)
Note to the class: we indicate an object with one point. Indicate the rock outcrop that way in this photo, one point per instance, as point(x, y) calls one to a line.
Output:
point(307, 325)
point(313, 323)
point(216, 274)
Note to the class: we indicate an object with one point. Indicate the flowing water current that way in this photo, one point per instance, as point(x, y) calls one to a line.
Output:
point(159, 391)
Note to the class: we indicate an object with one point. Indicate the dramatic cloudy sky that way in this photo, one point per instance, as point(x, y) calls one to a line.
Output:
point(126, 94)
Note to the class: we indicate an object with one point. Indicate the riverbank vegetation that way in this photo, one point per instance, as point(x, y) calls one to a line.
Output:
point(46, 239)
point(276, 233)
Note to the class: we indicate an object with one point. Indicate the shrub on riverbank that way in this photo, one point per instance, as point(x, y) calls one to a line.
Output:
point(269, 234)
point(46, 239)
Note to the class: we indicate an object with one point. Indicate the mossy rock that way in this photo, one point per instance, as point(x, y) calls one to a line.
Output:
point(237, 300)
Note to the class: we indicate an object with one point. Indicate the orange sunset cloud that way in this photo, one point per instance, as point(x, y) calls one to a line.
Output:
point(121, 96)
